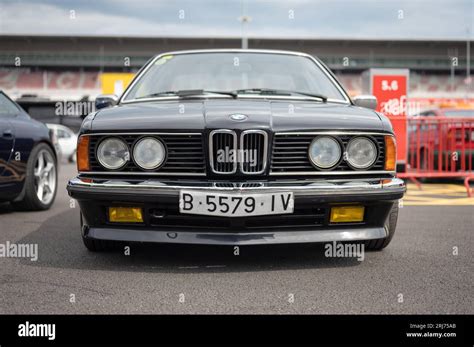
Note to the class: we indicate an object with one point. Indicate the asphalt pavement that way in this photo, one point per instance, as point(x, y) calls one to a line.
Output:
point(428, 268)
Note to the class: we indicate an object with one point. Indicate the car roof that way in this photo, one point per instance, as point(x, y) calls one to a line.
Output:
point(236, 50)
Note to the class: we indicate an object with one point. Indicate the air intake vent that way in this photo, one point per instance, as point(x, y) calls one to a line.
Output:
point(222, 151)
point(253, 154)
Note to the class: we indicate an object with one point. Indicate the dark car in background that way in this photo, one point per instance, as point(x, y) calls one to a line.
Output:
point(236, 147)
point(28, 159)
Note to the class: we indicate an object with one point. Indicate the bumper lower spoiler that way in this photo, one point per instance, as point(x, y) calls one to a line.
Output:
point(236, 239)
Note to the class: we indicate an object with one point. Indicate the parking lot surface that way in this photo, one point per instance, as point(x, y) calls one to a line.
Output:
point(427, 268)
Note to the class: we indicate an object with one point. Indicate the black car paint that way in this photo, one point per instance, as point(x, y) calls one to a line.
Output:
point(271, 115)
point(15, 150)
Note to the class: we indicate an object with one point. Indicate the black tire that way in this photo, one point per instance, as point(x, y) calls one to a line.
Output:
point(30, 201)
point(96, 245)
point(72, 158)
point(391, 225)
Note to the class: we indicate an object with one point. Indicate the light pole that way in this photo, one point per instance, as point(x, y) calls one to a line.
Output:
point(468, 63)
point(244, 19)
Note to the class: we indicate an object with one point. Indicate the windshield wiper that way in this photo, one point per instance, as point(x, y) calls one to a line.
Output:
point(269, 91)
point(188, 93)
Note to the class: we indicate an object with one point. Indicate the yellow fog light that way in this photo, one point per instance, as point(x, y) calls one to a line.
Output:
point(345, 214)
point(125, 214)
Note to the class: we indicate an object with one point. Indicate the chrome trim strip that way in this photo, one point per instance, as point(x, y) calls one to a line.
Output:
point(331, 173)
point(296, 173)
point(135, 133)
point(265, 150)
point(125, 173)
point(211, 150)
point(318, 187)
point(330, 132)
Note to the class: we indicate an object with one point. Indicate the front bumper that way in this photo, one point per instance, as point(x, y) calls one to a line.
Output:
point(163, 222)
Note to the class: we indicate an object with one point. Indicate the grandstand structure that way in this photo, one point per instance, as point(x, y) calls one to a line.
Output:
point(69, 68)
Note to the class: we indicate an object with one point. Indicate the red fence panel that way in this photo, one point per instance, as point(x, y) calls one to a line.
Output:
point(440, 147)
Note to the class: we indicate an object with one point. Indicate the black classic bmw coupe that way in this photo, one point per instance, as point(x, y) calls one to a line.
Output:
point(236, 147)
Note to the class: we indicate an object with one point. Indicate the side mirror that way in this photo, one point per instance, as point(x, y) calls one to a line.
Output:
point(367, 101)
point(105, 100)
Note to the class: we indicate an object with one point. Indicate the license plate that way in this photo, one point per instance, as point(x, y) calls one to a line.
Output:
point(235, 204)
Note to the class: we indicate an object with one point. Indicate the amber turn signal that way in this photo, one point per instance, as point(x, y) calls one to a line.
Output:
point(125, 215)
point(347, 214)
point(390, 153)
point(83, 153)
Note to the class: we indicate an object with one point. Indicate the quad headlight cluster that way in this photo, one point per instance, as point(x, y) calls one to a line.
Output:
point(148, 153)
point(325, 152)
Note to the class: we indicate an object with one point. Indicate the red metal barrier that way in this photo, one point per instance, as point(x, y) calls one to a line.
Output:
point(440, 147)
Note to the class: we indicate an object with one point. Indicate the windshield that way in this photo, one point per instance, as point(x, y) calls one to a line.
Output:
point(230, 72)
point(459, 113)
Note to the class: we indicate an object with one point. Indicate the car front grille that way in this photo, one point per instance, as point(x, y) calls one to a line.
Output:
point(246, 152)
point(290, 154)
point(221, 145)
point(185, 154)
point(254, 144)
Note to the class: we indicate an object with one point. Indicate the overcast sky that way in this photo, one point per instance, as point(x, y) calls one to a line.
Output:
point(372, 19)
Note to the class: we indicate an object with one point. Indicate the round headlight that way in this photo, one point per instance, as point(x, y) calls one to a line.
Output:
point(361, 152)
point(149, 153)
point(113, 153)
point(324, 152)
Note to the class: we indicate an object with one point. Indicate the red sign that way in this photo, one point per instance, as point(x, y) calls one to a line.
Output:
point(391, 93)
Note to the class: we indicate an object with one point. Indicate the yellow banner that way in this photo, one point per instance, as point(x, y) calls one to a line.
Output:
point(115, 82)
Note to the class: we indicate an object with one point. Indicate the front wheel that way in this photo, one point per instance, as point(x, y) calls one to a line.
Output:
point(41, 180)
point(390, 226)
point(72, 158)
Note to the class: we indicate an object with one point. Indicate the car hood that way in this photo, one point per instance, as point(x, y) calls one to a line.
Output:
point(272, 115)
